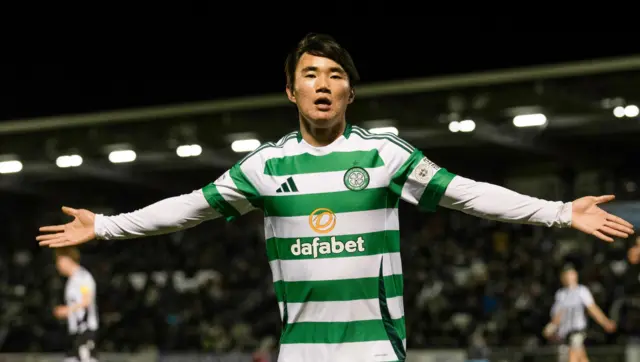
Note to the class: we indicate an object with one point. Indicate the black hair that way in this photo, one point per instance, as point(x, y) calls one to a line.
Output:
point(320, 45)
point(70, 251)
point(567, 267)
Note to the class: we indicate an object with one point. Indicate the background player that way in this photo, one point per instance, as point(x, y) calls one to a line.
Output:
point(634, 252)
point(80, 304)
point(569, 322)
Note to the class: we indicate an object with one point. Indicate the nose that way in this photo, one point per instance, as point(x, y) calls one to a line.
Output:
point(322, 85)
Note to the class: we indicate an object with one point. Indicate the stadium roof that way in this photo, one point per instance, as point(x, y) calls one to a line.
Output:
point(578, 100)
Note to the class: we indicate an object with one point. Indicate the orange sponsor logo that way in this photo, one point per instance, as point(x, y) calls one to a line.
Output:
point(322, 220)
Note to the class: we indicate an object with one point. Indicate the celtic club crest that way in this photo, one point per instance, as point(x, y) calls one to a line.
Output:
point(356, 179)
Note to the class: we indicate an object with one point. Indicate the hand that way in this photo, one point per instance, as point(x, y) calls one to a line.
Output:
point(591, 219)
point(61, 311)
point(549, 331)
point(610, 326)
point(78, 231)
point(634, 255)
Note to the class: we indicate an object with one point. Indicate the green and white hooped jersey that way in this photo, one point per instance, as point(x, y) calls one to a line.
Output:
point(333, 243)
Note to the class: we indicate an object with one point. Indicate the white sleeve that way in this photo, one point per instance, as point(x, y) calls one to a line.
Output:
point(498, 203)
point(585, 296)
point(230, 196)
point(163, 217)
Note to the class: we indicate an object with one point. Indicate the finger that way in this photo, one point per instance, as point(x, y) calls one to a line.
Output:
point(52, 228)
point(619, 220)
point(69, 211)
point(613, 232)
point(619, 227)
point(602, 236)
point(604, 198)
point(50, 242)
point(64, 243)
point(46, 237)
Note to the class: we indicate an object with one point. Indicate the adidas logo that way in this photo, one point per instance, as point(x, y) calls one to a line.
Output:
point(288, 186)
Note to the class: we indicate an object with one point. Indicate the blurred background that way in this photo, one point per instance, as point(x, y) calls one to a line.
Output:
point(556, 124)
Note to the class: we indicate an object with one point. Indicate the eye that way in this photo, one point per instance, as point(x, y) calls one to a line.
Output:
point(336, 76)
point(310, 76)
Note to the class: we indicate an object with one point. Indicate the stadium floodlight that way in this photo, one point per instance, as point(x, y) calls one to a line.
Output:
point(619, 112)
point(122, 156)
point(12, 166)
point(631, 111)
point(379, 130)
point(530, 120)
point(69, 161)
point(467, 125)
point(189, 150)
point(247, 145)
point(454, 126)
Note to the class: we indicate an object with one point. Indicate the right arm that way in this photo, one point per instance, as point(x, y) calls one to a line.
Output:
point(165, 216)
point(556, 316)
point(230, 196)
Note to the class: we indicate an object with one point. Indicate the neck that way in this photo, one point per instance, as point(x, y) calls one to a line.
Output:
point(73, 269)
point(319, 137)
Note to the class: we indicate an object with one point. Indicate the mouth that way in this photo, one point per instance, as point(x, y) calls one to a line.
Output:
point(323, 103)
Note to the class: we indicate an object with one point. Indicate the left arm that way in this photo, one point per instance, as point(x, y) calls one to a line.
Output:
point(594, 311)
point(421, 182)
point(498, 203)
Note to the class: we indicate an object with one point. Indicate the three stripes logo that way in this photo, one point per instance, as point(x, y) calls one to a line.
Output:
point(288, 186)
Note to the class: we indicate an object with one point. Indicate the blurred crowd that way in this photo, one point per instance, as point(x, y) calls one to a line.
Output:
point(468, 282)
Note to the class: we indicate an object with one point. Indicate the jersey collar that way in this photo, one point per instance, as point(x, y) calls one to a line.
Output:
point(347, 132)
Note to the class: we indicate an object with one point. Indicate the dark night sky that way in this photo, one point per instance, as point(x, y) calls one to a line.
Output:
point(251, 65)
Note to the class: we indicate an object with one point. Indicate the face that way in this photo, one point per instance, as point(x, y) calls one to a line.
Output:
point(570, 277)
point(63, 264)
point(321, 90)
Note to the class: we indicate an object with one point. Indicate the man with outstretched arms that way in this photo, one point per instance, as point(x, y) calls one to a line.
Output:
point(330, 195)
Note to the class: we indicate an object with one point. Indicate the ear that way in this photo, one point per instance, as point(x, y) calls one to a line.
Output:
point(352, 95)
point(291, 93)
